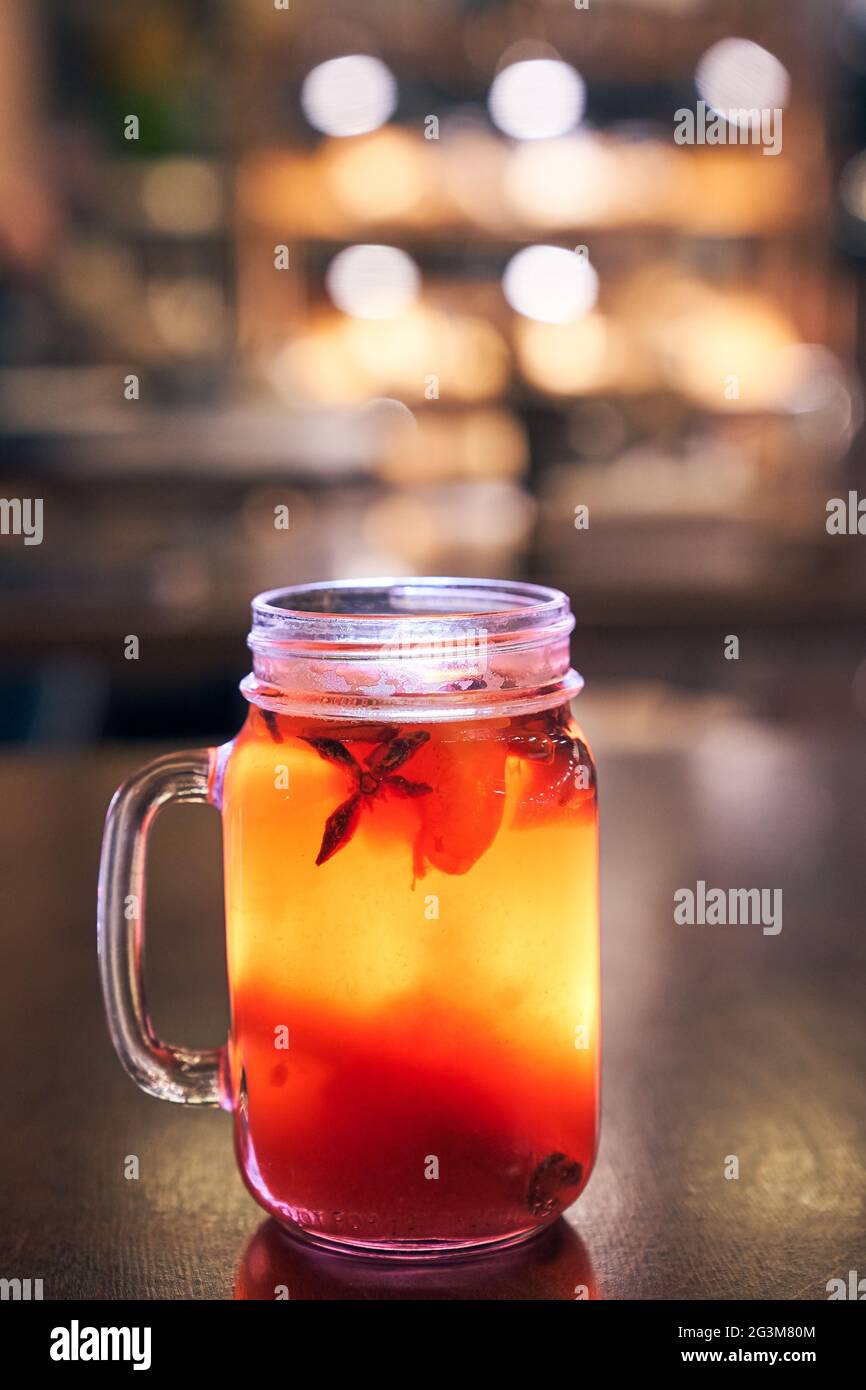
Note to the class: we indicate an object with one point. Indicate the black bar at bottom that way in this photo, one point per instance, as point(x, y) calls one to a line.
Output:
point(257, 1341)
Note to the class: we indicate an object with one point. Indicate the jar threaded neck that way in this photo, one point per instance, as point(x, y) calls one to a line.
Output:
point(419, 649)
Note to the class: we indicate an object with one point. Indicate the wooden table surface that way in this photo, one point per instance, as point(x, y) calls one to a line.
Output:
point(718, 1041)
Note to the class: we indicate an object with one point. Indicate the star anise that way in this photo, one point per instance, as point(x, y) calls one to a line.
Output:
point(272, 724)
point(375, 776)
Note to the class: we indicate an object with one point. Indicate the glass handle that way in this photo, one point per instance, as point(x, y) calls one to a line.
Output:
point(171, 1073)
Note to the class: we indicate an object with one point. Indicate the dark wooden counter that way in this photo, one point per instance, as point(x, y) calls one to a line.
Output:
point(718, 1041)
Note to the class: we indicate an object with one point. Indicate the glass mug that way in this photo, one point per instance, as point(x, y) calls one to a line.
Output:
point(411, 889)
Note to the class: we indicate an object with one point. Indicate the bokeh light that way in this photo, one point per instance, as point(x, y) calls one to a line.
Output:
point(537, 99)
point(372, 282)
point(349, 96)
point(568, 359)
point(852, 186)
point(550, 284)
point(737, 78)
point(390, 420)
point(820, 396)
point(377, 178)
point(562, 182)
point(345, 359)
point(481, 444)
point(725, 351)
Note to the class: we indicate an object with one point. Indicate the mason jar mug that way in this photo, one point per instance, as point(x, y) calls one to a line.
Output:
point(411, 899)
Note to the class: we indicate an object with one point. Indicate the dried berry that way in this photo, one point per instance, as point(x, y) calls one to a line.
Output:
point(555, 1176)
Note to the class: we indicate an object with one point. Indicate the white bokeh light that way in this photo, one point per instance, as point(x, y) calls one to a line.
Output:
point(372, 282)
point(736, 75)
point(852, 186)
point(537, 99)
point(349, 96)
point(550, 284)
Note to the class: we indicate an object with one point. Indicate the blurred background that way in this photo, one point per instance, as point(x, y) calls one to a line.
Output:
point(418, 286)
point(293, 293)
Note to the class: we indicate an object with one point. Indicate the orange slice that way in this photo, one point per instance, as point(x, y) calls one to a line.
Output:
point(462, 812)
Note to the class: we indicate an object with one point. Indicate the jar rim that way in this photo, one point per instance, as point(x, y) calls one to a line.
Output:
point(331, 601)
point(426, 647)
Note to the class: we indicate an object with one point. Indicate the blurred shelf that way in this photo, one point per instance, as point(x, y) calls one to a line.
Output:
point(485, 190)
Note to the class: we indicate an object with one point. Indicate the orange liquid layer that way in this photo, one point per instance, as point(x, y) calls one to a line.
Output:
point(435, 974)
